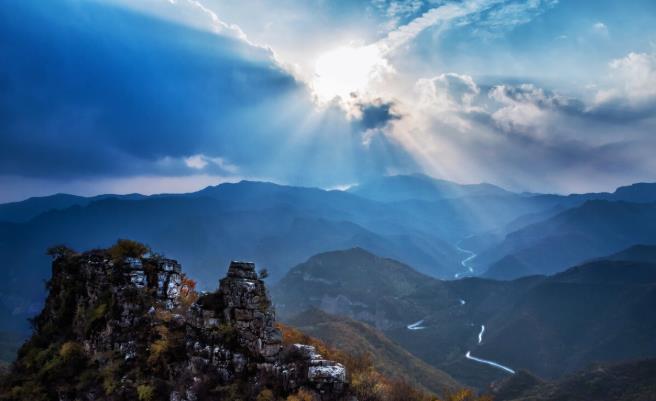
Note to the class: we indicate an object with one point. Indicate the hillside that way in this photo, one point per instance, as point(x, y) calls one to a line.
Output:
point(125, 323)
point(551, 326)
point(594, 229)
point(354, 283)
point(357, 338)
point(628, 381)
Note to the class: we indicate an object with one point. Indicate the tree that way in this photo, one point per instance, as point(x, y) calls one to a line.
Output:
point(125, 248)
point(59, 251)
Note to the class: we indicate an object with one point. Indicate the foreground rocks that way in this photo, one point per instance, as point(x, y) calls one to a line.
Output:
point(125, 324)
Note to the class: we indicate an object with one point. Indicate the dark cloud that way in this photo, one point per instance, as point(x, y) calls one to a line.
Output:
point(376, 114)
point(88, 90)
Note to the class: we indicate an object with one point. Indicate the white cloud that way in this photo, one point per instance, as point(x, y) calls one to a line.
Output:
point(600, 28)
point(520, 108)
point(430, 18)
point(508, 15)
point(199, 162)
point(632, 79)
point(219, 25)
point(526, 108)
point(447, 96)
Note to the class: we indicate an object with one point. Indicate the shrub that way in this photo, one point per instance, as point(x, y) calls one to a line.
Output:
point(265, 395)
point(125, 248)
point(70, 350)
point(157, 350)
point(188, 295)
point(95, 316)
point(145, 392)
point(466, 395)
point(303, 395)
point(59, 251)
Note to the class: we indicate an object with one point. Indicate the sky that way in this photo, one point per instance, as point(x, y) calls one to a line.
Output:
point(121, 96)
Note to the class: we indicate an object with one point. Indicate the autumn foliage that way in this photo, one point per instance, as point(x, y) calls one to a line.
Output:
point(367, 383)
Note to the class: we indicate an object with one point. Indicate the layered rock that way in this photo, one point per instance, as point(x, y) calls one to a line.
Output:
point(138, 330)
point(248, 309)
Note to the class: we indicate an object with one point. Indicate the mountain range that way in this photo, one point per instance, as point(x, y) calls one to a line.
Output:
point(440, 228)
point(548, 325)
point(628, 381)
point(570, 237)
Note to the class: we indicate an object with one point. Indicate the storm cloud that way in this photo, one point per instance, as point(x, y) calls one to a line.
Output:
point(90, 90)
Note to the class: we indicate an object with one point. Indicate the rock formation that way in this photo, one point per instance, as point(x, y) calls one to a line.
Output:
point(125, 324)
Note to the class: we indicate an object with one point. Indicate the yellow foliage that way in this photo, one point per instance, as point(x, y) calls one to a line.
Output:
point(265, 395)
point(366, 382)
point(157, 348)
point(108, 374)
point(70, 349)
point(188, 294)
point(145, 392)
point(303, 395)
point(125, 248)
point(163, 315)
point(466, 395)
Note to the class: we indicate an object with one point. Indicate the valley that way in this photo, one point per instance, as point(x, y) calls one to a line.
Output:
point(312, 200)
point(398, 264)
point(549, 325)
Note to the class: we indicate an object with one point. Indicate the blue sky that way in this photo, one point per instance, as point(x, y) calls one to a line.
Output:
point(173, 95)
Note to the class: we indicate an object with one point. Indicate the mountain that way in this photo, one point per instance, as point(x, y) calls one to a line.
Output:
point(636, 253)
point(125, 323)
point(639, 192)
point(643, 192)
point(549, 325)
point(591, 230)
point(546, 206)
point(354, 283)
point(359, 338)
point(627, 381)
point(396, 188)
point(594, 312)
point(19, 212)
point(276, 226)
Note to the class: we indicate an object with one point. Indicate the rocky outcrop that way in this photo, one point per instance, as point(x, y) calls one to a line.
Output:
point(121, 324)
point(248, 309)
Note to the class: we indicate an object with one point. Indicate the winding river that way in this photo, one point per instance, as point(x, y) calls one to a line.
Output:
point(465, 262)
point(468, 355)
point(416, 325)
point(469, 270)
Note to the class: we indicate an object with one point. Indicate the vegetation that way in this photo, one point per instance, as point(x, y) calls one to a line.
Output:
point(351, 336)
point(367, 382)
point(99, 335)
point(125, 248)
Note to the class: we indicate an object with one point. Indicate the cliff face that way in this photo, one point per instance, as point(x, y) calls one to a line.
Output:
point(124, 324)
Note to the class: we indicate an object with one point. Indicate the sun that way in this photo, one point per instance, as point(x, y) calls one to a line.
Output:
point(346, 70)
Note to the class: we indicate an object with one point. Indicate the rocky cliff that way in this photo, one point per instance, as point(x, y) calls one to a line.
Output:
point(126, 324)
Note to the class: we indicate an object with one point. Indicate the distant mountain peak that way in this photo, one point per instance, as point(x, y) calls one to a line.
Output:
point(419, 186)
